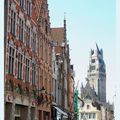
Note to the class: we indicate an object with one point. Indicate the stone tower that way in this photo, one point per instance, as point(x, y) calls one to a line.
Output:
point(97, 73)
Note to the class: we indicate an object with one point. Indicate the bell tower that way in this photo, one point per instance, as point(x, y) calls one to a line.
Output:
point(97, 73)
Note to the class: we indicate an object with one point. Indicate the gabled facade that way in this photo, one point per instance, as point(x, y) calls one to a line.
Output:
point(63, 82)
point(45, 61)
point(28, 62)
point(89, 110)
point(20, 60)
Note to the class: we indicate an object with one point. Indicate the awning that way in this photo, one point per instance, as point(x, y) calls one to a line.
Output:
point(65, 115)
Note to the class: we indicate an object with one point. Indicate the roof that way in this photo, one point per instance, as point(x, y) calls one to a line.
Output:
point(58, 35)
point(88, 93)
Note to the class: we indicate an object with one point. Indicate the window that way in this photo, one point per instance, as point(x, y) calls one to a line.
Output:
point(28, 37)
point(33, 73)
point(20, 29)
point(46, 75)
point(90, 115)
point(46, 27)
point(41, 76)
point(27, 69)
point(94, 115)
point(22, 4)
point(86, 115)
point(28, 7)
point(92, 68)
point(11, 60)
point(34, 42)
point(93, 60)
point(13, 22)
point(45, 50)
point(82, 115)
point(19, 66)
point(17, 110)
point(41, 48)
point(88, 106)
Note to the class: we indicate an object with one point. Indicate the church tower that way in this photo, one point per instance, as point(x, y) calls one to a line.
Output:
point(97, 73)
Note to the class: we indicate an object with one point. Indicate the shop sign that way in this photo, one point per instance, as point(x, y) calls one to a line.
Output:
point(9, 98)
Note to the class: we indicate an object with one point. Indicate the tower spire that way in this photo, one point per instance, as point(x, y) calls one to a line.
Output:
point(65, 21)
point(97, 47)
point(65, 37)
point(97, 80)
point(64, 15)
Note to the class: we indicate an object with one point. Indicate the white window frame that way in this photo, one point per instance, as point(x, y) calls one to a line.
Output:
point(21, 29)
point(33, 73)
point(11, 60)
point(28, 36)
point(13, 22)
point(20, 65)
point(27, 63)
point(34, 42)
point(28, 8)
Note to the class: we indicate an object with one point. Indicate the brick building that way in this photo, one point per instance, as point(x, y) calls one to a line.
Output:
point(45, 59)
point(62, 82)
point(28, 72)
point(71, 91)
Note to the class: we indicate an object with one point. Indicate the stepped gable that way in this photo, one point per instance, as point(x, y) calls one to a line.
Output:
point(58, 35)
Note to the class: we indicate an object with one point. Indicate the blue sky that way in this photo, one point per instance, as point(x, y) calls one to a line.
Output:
point(88, 22)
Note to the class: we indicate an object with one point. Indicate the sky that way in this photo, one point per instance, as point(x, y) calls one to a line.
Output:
point(117, 100)
point(88, 22)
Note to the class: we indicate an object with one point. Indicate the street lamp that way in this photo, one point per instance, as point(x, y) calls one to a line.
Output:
point(42, 89)
point(40, 96)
